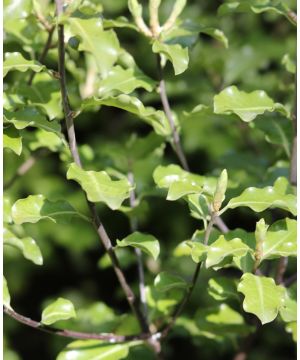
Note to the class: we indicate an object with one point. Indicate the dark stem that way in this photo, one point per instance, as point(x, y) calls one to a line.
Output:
point(74, 151)
point(138, 252)
point(246, 345)
point(44, 52)
point(289, 281)
point(70, 333)
point(281, 268)
point(188, 295)
point(23, 168)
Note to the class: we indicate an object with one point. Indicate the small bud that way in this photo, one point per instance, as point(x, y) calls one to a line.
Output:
point(137, 12)
point(177, 9)
point(219, 194)
point(260, 235)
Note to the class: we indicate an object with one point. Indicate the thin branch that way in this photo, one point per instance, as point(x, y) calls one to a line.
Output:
point(74, 151)
point(112, 338)
point(24, 168)
point(188, 295)
point(138, 252)
point(292, 16)
point(281, 268)
point(289, 281)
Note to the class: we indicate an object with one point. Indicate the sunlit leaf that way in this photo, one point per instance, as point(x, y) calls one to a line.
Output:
point(262, 296)
point(165, 281)
point(12, 140)
point(292, 328)
point(16, 61)
point(289, 64)
point(6, 295)
point(222, 288)
point(288, 312)
point(61, 309)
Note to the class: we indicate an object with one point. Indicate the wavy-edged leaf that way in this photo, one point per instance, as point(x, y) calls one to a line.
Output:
point(155, 118)
point(269, 197)
point(165, 281)
point(119, 22)
point(222, 288)
point(60, 309)
point(288, 312)
point(281, 240)
point(125, 81)
point(222, 248)
point(198, 251)
point(6, 295)
point(263, 297)
point(49, 140)
point(146, 242)
point(16, 62)
point(104, 45)
point(245, 105)
point(36, 207)
point(12, 140)
point(26, 245)
point(176, 54)
point(99, 187)
point(94, 350)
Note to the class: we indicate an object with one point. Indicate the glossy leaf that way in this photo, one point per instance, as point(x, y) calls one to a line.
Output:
point(61, 309)
point(176, 54)
point(165, 281)
point(16, 62)
point(12, 140)
point(36, 207)
point(222, 288)
point(155, 118)
point(124, 81)
point(6, 295)
point(147, 243)
point(245, 105)
point(94, 350)
point(99, 187)
point(26, 245)
point(268, 197)
point(262, 296)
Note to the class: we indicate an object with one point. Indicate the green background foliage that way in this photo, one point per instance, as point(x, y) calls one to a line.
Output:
point(229, 71)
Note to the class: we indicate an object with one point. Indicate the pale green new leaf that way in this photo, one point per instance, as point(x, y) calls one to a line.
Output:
point(16, 61)
point(155, 118)
point(222, 248)
point(104, 45)
point(125, 81)
point(26, 245)
point(36, 207)
point(61, 309)
point(6, 295)
point(262, 296)
point(94, 350)
point(146, 242)
point(198, 251)
point(165, 281)
point(222, 288)
point(292, 329)
point(99, 187)
point(269, 197)
point(176, 54)
point(12, 140)
point(245, 105)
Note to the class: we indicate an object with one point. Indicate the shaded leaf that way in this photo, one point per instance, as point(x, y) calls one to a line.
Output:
point(16, 61)
point(99, 187)
point(147, 243)
point(26, 245)
point(263, 297)
point(6, 295)
point(12, 140)
point(7, 218)
point(165, 281)
point(222, 288)
point(289, 64)
point(61, 309)
point(245, 105)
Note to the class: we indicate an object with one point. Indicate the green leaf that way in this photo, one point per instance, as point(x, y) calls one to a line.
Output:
point(245, 105)
point(119, 22)
point(36, 207)
point(289, 64)
point(61, 309)
point(268, 197)
point(222, 288)
point(147, 243)
point(16, 61)
point(49, 140)
point(104, 45)
point(94, 350)
point(26, 245)
point(12, 140)
point(155, 118)
point(125, 81)
point(176, 54)
point(6, 295)
point(292, 328)
point(99, 187)
point(165, 281)
point(281, 240)
point(198, 251)
point(263, 297)
point(7, 210)
point(223, 248)
point(288, 312)
point(30, 116)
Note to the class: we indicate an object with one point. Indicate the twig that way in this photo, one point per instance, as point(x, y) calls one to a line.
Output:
point(23, 168)
point(138, 252)
point(188, 295)
point(281, 268)
point(246, 345)
point(74, 151)
point(292, 16)
point(289, 281)
point(113, 338)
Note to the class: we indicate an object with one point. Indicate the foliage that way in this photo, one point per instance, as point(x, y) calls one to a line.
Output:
point(178, 196)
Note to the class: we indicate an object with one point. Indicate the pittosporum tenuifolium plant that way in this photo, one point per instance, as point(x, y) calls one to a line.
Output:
point(150, 172)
